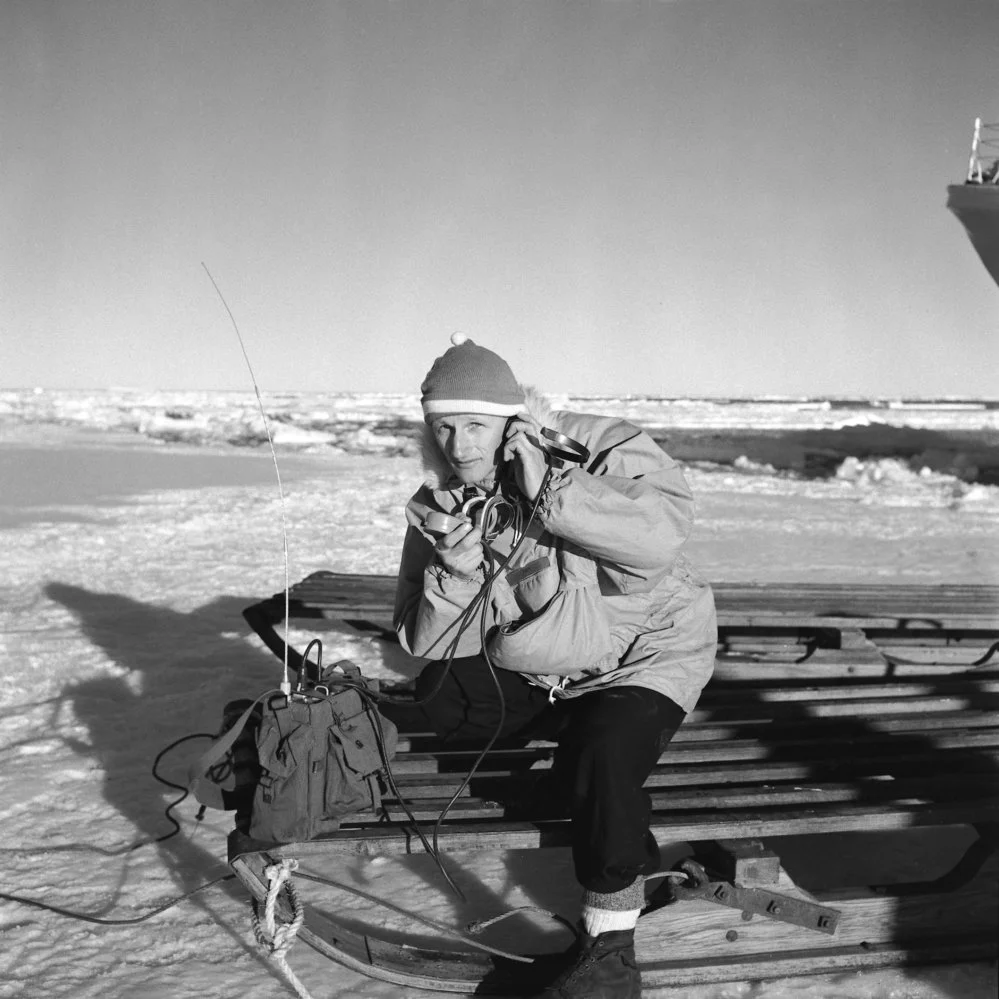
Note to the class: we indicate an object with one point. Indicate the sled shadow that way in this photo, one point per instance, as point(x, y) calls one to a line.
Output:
point(938, 766)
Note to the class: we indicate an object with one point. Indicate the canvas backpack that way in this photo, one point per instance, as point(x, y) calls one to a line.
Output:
point(293, 766)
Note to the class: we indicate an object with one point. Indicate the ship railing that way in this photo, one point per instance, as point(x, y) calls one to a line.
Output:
point(984, 146)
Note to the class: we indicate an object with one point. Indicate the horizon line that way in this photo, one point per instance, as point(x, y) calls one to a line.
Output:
point(695, 397)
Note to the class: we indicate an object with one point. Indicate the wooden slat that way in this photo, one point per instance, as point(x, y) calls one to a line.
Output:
point(703, 727)
point(937, 793)
point(764, 693)
point(934, 606)
point(662, 977)
point(753, 760)
point(820, 725)
point(381, 589)
point(699, 727)
point(883, 618)
point(740, 824)
point(747, 762)
point(859, 752)
point(704, 775)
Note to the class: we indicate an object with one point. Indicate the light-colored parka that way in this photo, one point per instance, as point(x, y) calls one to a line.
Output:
point(598, 594)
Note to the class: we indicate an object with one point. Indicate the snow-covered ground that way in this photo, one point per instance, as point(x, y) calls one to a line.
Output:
point(120, 631)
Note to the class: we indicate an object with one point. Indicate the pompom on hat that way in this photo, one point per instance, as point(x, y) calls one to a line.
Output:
point(468, 378)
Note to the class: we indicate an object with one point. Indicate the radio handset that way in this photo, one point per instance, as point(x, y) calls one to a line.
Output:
point(559, 450)
point(494, 514)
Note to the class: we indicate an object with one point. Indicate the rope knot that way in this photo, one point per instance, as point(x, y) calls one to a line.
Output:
point(274, 936)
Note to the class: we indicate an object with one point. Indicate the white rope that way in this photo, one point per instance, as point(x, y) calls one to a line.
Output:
point(481, 925)
point(672, 875)
point(273, 936)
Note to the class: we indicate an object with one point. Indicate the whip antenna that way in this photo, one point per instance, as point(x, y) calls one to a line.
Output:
point(286, 682)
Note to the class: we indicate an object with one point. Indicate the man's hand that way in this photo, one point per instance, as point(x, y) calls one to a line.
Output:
point(524, 450)
point(460, 552)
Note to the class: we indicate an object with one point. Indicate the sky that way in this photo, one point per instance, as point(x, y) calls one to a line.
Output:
point(698, 197)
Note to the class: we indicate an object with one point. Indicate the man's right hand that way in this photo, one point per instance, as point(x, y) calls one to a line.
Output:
point(460, 552)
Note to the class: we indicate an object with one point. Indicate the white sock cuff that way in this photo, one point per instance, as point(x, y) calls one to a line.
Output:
point(596, 921)
point(625, 900)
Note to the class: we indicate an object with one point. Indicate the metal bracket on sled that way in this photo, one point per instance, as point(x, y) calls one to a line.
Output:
point(752, 901)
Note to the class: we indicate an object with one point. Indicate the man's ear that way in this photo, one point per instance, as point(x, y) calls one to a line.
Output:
point(502, 463)
point(507, 433)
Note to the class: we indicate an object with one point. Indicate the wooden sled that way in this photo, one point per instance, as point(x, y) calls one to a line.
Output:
point(837, 716)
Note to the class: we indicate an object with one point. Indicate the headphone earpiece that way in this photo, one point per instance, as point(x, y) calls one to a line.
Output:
point(561, 450)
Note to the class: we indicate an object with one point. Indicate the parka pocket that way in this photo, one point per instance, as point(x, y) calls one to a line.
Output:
point(534, 584)
point(570, 633)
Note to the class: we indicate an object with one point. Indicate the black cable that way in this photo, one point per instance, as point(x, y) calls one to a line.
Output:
point(34, 903)
point(982, 660)
point(461, 622)
point(464, 619)
point(487, 586)
point(120, 851)
point(129, 848)
point(370, 703)
point(303, 672)
point(179, 787)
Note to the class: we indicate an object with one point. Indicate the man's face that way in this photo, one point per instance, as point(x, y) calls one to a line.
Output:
point(471, 442)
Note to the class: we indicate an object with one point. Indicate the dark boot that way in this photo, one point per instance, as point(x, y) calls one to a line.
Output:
point(604, 968)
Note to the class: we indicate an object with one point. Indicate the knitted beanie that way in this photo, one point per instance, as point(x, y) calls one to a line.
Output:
point(468, 378)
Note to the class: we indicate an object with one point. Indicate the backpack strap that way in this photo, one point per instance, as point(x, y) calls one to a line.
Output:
point(207, 791)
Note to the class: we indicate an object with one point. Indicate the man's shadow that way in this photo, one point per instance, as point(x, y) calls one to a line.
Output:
point(179, 671)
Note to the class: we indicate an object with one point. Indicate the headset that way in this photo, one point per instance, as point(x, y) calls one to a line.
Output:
point(561, 450)
point(494, 514)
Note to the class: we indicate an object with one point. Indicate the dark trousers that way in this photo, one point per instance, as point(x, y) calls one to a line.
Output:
point(608, 742)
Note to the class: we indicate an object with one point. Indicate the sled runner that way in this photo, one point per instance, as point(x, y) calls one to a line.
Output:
point(837, 717)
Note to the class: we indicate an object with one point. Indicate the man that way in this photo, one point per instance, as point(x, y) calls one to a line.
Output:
point(562, 586)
